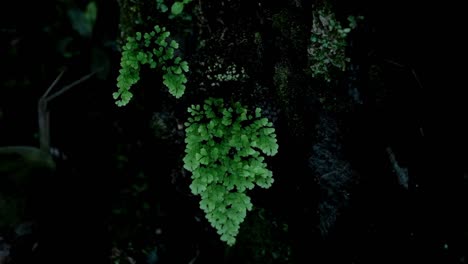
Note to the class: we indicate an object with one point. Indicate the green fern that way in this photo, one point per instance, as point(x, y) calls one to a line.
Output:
point(223, 152)
point(150, 49)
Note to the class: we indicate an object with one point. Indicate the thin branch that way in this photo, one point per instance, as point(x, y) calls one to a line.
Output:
point(192, 261)
point(71, 85)
point(52, 85)
point(43, 113)
point(395, 63)
point(417, 78)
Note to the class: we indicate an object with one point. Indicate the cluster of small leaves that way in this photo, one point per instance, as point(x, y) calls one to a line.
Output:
point(161, 6)
point(223, 152)
point(328, 44)
point(177, 8)
point(217, 73)
point(154, 50)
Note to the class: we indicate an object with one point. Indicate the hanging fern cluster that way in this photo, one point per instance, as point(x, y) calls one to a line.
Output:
point(225, 144)
point(154, 50)
point(223, 152)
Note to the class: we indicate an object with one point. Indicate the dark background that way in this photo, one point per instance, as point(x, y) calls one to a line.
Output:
point(119, 191)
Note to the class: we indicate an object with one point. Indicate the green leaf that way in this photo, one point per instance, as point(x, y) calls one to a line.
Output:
point(177, 70)
point(91, 12)
point(204, 161)
point(258, 112)
point(177, 8)
point(174, 44)
point(83, 22)
point(268, 131)
point(176, 87)
point(203, 152)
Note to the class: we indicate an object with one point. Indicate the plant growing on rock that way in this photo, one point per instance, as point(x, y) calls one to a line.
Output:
point(217, 74)
point(328, 44)
point(151, 49)
point(223, 152)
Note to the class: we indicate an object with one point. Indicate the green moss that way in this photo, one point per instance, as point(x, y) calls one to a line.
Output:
point(280, 20)
point(280, 80)
point(291, 32)
point(12, 211)
point(139, 16)
point(290, 38)
point(328, 44)
point(288, 95)
point(257, 38)
point(263, 238)
point(130, 16)
point(219, 73)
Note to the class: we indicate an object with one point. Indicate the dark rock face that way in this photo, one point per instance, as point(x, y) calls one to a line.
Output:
point(335, 175)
